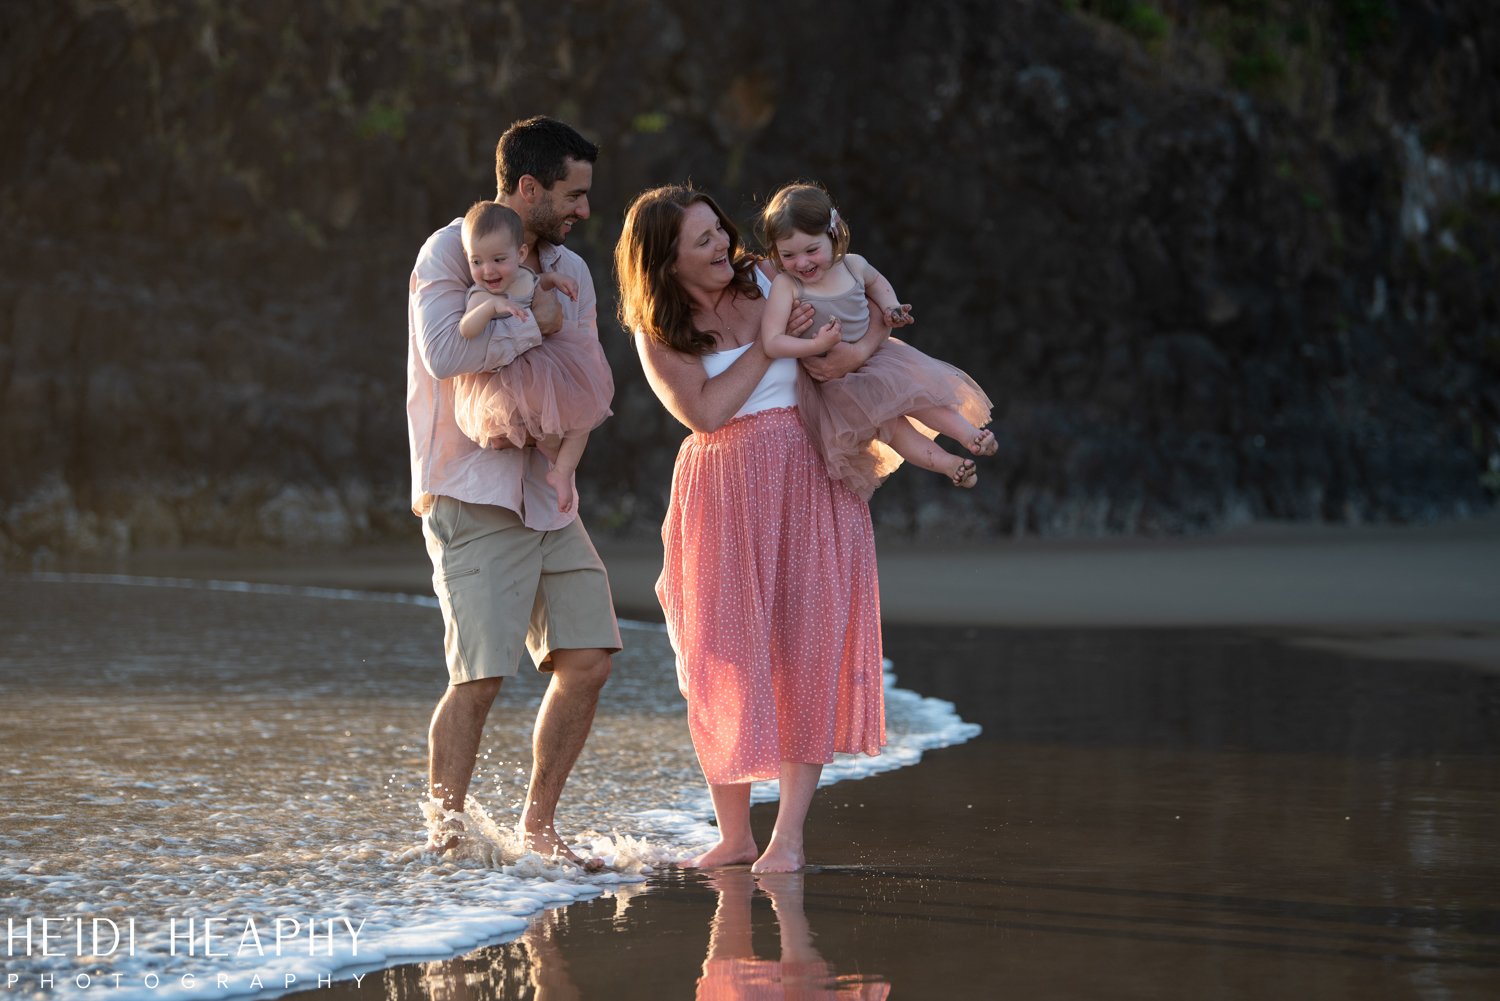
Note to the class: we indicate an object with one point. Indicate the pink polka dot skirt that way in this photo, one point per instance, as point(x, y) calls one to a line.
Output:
point(771, 601)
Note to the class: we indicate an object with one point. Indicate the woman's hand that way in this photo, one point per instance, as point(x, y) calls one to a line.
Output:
point(800, 319)
point(849, 356)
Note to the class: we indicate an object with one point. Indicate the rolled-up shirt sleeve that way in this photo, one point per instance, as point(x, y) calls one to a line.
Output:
point(439, 293)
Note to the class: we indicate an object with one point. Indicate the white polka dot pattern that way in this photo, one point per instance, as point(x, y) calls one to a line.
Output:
point(771, 601)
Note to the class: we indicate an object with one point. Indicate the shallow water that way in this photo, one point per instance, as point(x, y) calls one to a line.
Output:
point(254, 756)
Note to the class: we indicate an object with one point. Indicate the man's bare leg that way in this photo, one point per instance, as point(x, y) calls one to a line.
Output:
point(736, 841)
point(799, 780)
point(562, 726)
point(453, 746)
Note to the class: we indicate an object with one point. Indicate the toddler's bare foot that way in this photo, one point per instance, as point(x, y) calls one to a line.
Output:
point(780, 857)
point(964, 474)
point(446, 837)
point(724, 854)
point(984, 443)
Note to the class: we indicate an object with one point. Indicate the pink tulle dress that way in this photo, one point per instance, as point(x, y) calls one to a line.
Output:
point(770, 593)
point(560, 387)
point(844, 416)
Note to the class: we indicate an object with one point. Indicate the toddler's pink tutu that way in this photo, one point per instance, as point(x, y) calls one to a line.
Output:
point(562, 386)
point(844, 416)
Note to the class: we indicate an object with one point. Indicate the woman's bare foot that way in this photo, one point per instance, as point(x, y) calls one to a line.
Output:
point(984, 443)
point(780, 857)
point(548, 845)
point(723, 854)
point(964, 474)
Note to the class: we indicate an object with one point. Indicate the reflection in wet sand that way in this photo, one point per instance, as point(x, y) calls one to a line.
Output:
point(733, 972)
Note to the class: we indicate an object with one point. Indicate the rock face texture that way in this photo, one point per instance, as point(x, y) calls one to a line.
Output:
point(1215, 262)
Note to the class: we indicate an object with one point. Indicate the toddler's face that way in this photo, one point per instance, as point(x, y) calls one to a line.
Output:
point(808, 256)
point(493, 259)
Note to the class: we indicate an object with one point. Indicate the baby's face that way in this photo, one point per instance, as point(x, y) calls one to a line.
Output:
point(493, 259)
point(806, 255)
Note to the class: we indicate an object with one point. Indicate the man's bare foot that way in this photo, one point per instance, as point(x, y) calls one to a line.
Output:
point(547, 844)
point(723, 854)
point(446, 836)
point(984, 443)
point(780, 857)
point(964, 474)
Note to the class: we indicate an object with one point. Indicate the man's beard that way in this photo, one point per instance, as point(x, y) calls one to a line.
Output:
point(547, 223)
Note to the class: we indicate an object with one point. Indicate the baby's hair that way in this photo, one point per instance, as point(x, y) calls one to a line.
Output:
point(801, 208)
point(484, 218)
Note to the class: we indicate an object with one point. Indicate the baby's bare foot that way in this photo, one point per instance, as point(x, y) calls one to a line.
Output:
point(964, 474)
point(984, 443)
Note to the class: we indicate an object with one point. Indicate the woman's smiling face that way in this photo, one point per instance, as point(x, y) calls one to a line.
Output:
point(702, 250)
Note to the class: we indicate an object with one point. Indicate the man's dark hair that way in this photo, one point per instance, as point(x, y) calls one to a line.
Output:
point(541, 147)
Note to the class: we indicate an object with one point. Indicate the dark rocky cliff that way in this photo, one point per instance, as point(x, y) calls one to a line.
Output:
point(1215, 262)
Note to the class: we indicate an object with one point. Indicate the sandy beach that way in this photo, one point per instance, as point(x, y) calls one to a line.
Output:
point(1245, 766)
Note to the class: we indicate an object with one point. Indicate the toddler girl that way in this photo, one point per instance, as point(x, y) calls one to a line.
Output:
point(863, 423)
point(552, 395)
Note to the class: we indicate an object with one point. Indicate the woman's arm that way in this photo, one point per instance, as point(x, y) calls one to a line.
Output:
point(775, 340)
point(684, 388)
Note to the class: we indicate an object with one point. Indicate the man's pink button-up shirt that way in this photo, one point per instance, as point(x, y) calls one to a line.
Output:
point(444, 461)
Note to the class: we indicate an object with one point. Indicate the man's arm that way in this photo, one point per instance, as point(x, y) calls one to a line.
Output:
point(439, 293)
point(548, 312)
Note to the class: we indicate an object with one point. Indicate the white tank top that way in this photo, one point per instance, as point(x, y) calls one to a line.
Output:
point(777, 388)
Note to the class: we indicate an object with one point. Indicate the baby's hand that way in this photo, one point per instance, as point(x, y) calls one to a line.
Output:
point(899, 315)
point(828, 335)
point(562, 283)
point(561, 481)
point(504, 307)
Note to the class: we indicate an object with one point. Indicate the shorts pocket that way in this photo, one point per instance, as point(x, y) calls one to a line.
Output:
point(443, 519)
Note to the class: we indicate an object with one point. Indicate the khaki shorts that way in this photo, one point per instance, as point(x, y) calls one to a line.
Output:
point(504, 587)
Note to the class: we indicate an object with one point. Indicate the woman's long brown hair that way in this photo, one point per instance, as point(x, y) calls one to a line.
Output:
point(651, 299)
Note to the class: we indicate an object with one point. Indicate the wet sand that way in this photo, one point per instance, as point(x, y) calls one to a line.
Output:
point(1279, 780)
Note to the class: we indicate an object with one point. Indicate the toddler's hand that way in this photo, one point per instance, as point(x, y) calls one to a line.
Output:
point(504, 307)
point(562, 283)
point(828, 335)
point(899, 315)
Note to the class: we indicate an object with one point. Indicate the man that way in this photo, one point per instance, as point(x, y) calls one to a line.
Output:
point(509, 569)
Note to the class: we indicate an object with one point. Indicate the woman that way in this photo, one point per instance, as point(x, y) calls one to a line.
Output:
point(769, 585)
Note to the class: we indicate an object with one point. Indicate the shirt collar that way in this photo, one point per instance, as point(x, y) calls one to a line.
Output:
point(547, 255)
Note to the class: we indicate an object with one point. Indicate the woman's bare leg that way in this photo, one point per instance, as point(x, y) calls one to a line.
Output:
point(736, 841)
point(799, 780)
